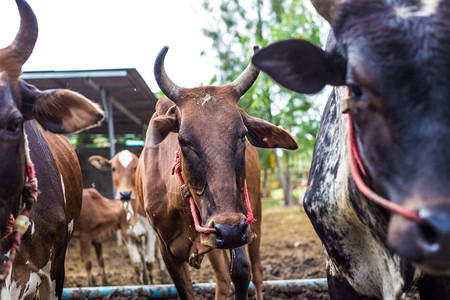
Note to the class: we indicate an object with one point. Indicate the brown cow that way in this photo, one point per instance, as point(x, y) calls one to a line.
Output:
point(25, 114)
point(216, 159)
point(141, 238)
point(99, 218)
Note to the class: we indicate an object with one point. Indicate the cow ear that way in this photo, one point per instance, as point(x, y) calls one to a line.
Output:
point(301, 66)
point(100, 162)
point(263, 134)
point(59, 111)
point(161, 125)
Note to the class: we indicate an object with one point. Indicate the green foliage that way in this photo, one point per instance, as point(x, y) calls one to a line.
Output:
point(158, 94)
point(234, 28)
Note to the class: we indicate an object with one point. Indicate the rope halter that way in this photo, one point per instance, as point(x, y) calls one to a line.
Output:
point(356, 166)
point(17, 227)
point(176, 169)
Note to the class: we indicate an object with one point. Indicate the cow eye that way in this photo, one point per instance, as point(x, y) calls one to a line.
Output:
point(113, 169)
point(244, 136)
point(355, 91)
point(14, 125)
point(182, 142)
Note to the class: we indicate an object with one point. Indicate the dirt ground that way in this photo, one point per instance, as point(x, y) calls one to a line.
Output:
point(290, 249)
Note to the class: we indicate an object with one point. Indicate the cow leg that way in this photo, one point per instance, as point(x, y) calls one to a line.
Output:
point(101, 262)
point(434, 287)
point(60, 273)
point(136, 259)
point(220, 264)
point(240, 272)
point(150, 253)
point(119, 238)
point(255, 258)
point(179, 272)
point(60, 277)
point(85, 253)
point(161, 265)
point(340, 289)
point(142, 248)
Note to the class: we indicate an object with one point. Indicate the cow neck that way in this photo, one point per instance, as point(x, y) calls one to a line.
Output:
point(176, 169)
point(356, 166)
point(16, 227)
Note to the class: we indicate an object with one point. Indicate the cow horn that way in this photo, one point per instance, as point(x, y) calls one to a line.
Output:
point(170, 89)
point(25, 39)
point(247, 78)
point(327, 9)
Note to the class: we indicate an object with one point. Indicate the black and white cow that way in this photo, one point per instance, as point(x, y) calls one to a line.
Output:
point(393, 56)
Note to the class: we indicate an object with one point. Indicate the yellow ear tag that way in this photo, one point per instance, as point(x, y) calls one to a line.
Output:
point(21, 224)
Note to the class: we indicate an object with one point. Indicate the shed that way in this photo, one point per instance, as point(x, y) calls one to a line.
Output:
point(125, 97)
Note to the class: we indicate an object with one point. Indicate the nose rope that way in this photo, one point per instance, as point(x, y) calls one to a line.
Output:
point(176, 169)
point(17, 227)
point(248, 206)
point(355, 162)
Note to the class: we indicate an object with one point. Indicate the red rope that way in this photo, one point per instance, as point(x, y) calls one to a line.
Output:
point(176, 169)
point(354, 156)
point(248, 206)
point(17, 227)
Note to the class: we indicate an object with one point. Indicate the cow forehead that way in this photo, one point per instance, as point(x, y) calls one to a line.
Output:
point(396, 38)
point(6, 96)
point(125, 158)
point(208, 97)
point(216, 121)
point(381, 18)
point(423, 8)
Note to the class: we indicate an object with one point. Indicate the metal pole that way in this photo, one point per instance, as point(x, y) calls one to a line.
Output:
point(117, 104)
point(107, 106)
point(168, 291)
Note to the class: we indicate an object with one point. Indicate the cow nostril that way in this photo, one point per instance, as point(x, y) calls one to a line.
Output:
point(428, 233)
point(219, 238)
point(125, 195)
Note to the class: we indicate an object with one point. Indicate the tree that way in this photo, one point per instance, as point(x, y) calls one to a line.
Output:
point(234, 28)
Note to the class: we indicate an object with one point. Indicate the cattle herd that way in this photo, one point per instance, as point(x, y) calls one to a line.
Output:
point(378, 188)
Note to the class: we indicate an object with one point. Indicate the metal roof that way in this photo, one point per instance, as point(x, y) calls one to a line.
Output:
point(132, 101)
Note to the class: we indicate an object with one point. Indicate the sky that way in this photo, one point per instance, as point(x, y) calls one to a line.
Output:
point(109, 34)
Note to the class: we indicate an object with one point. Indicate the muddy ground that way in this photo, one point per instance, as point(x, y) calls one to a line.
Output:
point(290, 249)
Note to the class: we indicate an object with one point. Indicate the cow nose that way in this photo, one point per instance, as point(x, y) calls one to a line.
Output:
point(433, 237)
point(231, 236)
point(125, 196)
point(428, 243)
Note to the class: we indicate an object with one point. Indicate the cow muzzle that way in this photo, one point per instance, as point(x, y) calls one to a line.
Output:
point(426, 245)
point(231, 232)
point(125, 195)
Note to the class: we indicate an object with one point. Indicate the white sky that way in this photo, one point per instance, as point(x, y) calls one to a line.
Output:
point(108, 34)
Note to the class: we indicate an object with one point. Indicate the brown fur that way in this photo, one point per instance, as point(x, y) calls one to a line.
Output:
point(99, 218)
point(10, 66)
point(142, 245)
point(52, 216)
point(38, 270)
point(211, 128)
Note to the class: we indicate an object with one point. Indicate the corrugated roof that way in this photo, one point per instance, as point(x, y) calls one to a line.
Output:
point(133, 101)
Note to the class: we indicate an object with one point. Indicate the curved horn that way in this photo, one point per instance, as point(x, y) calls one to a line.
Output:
point(247, 78)
point(327, 8)
point(166, 85)
point(25, 39)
